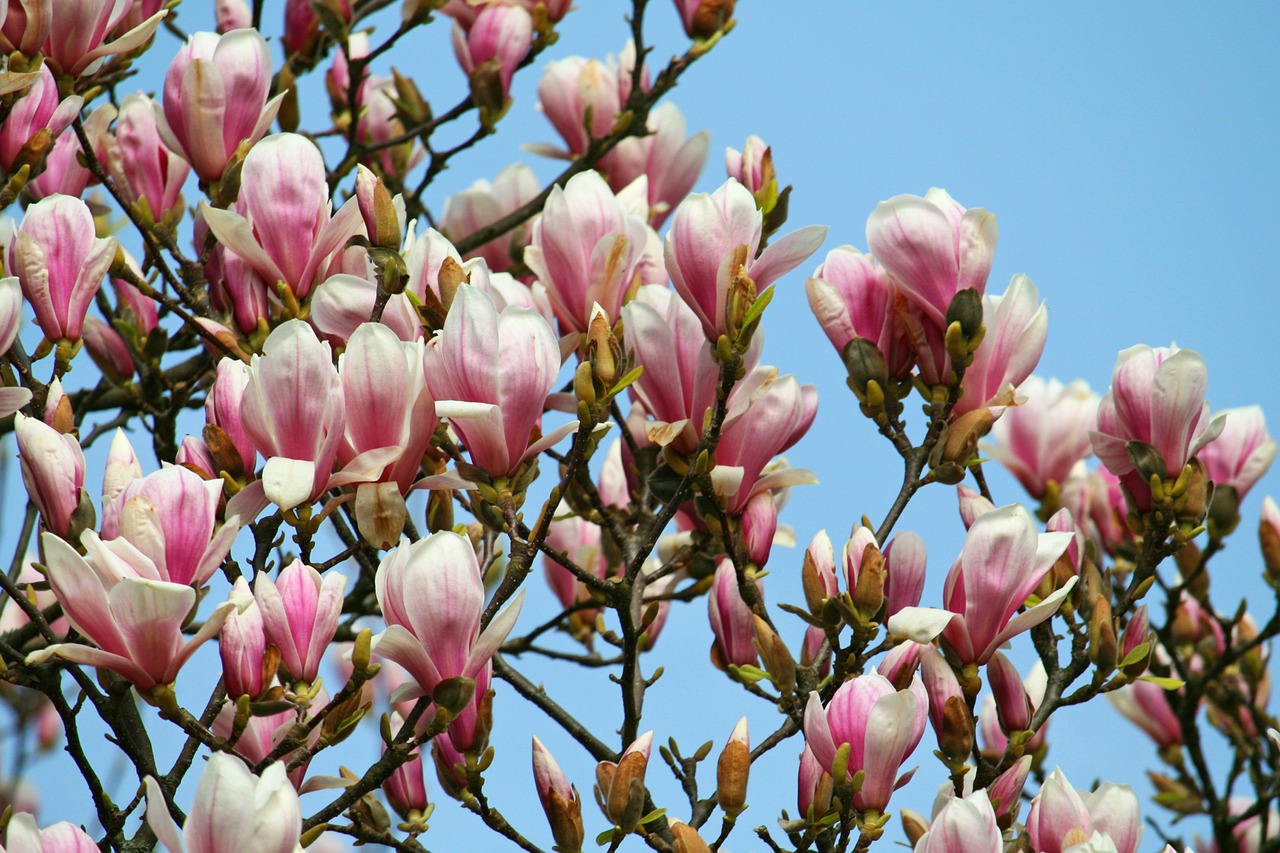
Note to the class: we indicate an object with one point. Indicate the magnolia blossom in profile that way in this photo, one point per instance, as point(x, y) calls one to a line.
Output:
point(432, 597)
point(145, 170)
point(1002, 562)
point(53, 469)
point(732, 621)
point(300, 611)
point(65, 171)
point(713, 243)
point(1144, 704)
point(559, 799)
point(1156, 398)
point(499, 37)
point(933, 248)
point(1041, 439)
point(881, 726)
point(1017, 325)
point(80, 34)
point(135, 621)
point(963, 825)
point(668, 160)
point(215, 97)
point(1242, 452)
point(60, 262)
point(484, 203)
point(39, 110)
point(1061, 818)
point(852, 296)
point(293, 413)
point(233, 812)
point(493, 400)
point(585, 250)
point(242, 644)
point(282, 224)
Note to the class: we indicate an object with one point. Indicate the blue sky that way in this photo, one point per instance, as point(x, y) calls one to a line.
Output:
point(1129, 154)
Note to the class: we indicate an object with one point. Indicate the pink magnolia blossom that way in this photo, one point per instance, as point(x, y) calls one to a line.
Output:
point(881, 725)
point(282, 224)
point(669, 161)
point(80, 34)
point(706, 232)
point(810, 777)
point(963, 825)
point(585, 249)
point(1060, 817)
point(406, 787)
point(60, 263)
point(484, 203)
point(107, 349)
point(63, 170)
point(679, 381)
point(301, 23)
point(300, 611)
point(1016, 331)
point(293, 412)
point(170, 516)
point(1002, 562)
point(501, 35)
point(52, 470)
point(38, 109)
point(1145, 705)
point(146, 172)
point(432, 597)
point(560, 801)
point(933, 248)
point(135, 622)
point(233, 812)
point(1157, 398)
point(904, 564)
point(493, 399)
point(747, 166)
point(222, 407)
point(573, 89)
point(1041, 439)
point(215, 98)
point(232, 15)
point(767, 415)
point(732, 621)
point(1242, 452)
point(25, 836)
point(1097, 504)
point(853, 297)
point(242, 644)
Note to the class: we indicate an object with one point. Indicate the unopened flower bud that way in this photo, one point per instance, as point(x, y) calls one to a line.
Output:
point(1103, 647)
point(687, 839)
point(962, 436)
point(1269, 537)
point(704, 18)
point(868, 593)
point(914, 826)
point(381, 221)
point(1192, 505)
point(620, 787)
point(559, 800)
point(732, 771)
point(966, 309)
point(955, 738)
point(603, 349)
point(1135, 644)
point(868, 371)
point(775, 656)
point(1174, 795)
point(1224, 510)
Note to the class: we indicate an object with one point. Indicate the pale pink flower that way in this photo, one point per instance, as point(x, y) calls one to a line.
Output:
point(170, 516)
point(570, 89)
point(1242, 452)
point(732, 621)
point(501, 35)
point(60, 262)
point(293, 412)
point(406, 787)
point(705, 233)
point(145, 170)
point(484, 203)
point(1157, 398)
point(1002, 562)
point(1145, 705)
point(432, 597)
point(39, 108)
point(135, 622)
point(853, 297)
point(63, 170)
point(767, 415)
point(904, 565)
point(222, 407)
point(670, 161)
point(25, 836)
point(53, 471)
point(493, 399)
point(215, 97)
point(301, 23)
point(1041, 439)
point(80, 34)
point(963, 825)
point(242, 644)
point(747, 166)
point(1060, 817)
point(300, 611)
point(232, 15)
point(11, 304)
point(881, 725)
point(585, 250)
point(1016, 329)
point(282, 224)
point(233, 812)
point(933, 248)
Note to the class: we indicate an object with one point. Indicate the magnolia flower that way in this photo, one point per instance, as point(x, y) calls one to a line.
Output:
point(1041, 439)
point(233, 812)
point(963, 825)
point(53, 471)
point(1242, 452)
point(1060, 818)
point(25, 836)
point(852, 296)
point(300, 611)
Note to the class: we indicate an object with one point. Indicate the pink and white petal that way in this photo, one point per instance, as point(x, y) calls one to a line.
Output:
point(551, 439)
point(1029, 618)
point(159, 819)
point(920, 624)
point(492, 637)
point(235, 233)
point(786, 254)
point(288, 483)
point(817, 732)
point(396, 644)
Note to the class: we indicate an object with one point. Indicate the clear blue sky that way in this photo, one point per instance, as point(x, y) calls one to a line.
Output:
point(1129, 153)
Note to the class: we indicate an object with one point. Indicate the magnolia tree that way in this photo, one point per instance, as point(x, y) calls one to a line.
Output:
point(307, 333)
